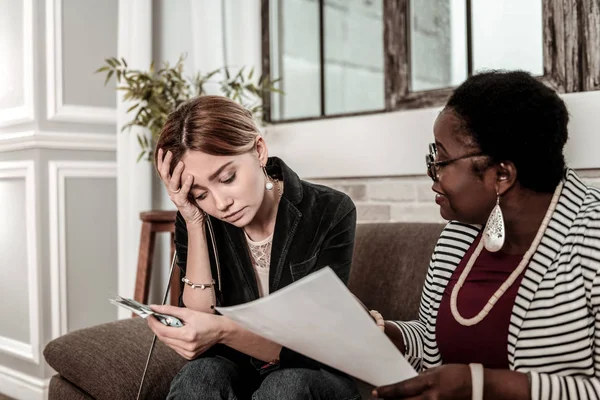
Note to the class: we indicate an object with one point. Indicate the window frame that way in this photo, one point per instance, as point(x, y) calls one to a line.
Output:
point(571, 61)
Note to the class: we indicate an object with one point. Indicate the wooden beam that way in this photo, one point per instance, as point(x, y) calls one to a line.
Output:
point(554, 44)
point(589, 36)
point(396, 53)
point(265, 32)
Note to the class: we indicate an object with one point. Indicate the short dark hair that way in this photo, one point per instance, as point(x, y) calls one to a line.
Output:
point(512, 116)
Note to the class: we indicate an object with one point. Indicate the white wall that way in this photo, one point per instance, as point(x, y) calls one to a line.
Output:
point(58, 258)
point(394, 144)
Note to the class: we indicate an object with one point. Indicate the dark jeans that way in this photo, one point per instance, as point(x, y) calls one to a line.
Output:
point(217, 378)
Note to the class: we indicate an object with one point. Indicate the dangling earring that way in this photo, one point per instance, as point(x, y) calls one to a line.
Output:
point(493, 234)
point(269, 184)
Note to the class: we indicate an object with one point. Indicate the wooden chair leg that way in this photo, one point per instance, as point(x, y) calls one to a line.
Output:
point(144, 268)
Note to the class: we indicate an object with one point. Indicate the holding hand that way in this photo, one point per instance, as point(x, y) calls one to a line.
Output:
point(452, 381)
point(178, 187)
point(200, 332)
point(378, 319)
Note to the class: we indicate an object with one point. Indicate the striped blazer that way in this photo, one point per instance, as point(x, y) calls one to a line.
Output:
point(554, 332)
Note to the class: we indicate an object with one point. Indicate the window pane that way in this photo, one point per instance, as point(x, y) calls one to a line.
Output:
point(438, 44)
point(508, 34)
point(294, 45)
point(354, 75)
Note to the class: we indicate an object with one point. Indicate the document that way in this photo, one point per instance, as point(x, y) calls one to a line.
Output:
point(320, 318)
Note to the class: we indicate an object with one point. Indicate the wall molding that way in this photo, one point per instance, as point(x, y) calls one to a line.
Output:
point(59, 171)
point(21, 386)
point(27, 351)
point(24, 113)
point(56, 109)
point(57, 140)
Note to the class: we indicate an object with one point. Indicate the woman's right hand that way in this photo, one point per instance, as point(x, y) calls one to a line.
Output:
point(178, 188)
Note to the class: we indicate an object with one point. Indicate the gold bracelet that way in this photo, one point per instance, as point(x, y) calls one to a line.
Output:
point(203, 286)
point(197, 285)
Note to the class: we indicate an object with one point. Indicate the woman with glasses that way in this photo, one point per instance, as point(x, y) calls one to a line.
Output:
point(510, 305)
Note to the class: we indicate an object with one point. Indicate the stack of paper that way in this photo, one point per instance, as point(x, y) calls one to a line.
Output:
point(319, 317)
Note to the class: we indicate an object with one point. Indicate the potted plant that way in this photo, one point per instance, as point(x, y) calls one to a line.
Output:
point(155, 93)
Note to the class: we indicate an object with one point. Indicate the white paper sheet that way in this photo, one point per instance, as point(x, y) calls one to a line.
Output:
point(319, 317)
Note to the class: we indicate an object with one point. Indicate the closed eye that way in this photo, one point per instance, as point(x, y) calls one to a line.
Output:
point(229, 180)
point(201, 197)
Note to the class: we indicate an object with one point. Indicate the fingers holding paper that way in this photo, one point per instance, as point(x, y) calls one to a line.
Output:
point(200, 332)
point(378, 319)
point(452, 381)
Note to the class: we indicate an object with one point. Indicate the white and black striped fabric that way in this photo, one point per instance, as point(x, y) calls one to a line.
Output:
point(554, 332)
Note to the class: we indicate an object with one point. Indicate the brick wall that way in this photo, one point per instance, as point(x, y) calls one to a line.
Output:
point(403, 199)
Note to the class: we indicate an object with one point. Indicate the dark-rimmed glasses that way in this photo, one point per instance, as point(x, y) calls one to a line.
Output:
point(433, 166)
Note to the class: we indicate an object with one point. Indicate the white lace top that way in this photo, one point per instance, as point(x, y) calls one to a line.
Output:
point(261, 261)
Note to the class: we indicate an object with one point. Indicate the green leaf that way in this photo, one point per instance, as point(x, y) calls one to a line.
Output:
point(102, 69)
point(124, 62)
point(133, 107)
point(240, 73)
point(140, 156)
point(108, 76)
point(251, 74)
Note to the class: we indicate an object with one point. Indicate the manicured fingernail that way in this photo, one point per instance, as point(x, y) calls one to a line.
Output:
point(374, 393)
point(189, 178)
point(180, 163)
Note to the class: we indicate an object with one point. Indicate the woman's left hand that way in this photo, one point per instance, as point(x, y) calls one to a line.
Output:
point(200, 332)
point(376, 315)
point(451, 381)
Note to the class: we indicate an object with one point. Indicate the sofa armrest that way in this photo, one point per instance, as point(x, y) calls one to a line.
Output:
point(107, 361)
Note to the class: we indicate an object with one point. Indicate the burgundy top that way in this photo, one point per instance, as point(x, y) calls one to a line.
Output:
point(487, 341)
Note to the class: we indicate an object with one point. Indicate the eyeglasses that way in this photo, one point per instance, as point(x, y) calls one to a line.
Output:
point(433, 166)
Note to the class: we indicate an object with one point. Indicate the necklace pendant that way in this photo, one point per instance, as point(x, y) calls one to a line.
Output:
point(493, 234)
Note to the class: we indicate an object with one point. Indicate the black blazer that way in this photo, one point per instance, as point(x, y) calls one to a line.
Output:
point(314, 228)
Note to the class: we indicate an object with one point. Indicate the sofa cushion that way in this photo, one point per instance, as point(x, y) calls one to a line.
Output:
point(61, 388)
point(389, 266)
point(107, 361)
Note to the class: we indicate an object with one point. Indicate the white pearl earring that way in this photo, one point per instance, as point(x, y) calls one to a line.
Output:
point(269, 184)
